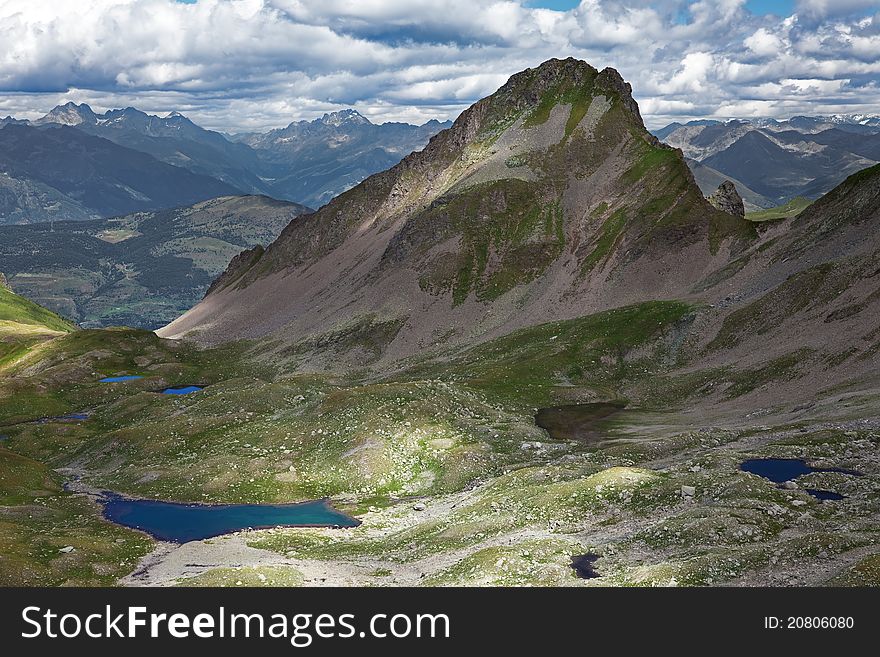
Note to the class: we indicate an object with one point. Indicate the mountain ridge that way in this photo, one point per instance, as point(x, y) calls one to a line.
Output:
point(97, 174)
point(550, 187)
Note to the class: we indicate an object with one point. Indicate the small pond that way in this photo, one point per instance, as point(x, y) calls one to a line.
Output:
point(117, 379)
point(181, 390)
point(577, 421)
point(825, 494)
point(781, 470)
point(70, 417)
point(583, 565)
point(179, 523)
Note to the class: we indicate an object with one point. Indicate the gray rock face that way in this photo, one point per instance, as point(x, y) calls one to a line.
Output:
point(728, 200)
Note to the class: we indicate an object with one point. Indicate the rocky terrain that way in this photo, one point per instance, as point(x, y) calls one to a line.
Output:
point(728, 200)
point(391, 352)
point(545, 201)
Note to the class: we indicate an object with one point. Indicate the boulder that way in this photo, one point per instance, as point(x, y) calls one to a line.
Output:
point(728, 200)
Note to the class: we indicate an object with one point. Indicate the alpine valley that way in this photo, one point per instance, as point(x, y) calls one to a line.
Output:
point(532, 345)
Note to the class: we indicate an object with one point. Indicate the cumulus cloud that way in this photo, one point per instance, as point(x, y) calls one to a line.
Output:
point(238, 65)
point(822, 8)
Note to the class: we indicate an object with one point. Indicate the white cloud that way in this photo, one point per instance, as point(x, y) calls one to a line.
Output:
point(763, 43)
point(253, 64)
point(823, 8)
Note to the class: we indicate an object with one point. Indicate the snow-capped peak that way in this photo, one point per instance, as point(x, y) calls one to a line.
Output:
point(350, 116)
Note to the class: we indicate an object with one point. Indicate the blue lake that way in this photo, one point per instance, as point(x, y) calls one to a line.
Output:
point(781, 470)
point(117, 379)
point(180, 523)
point(183, 390)
point(825, 494)
point(70, 417)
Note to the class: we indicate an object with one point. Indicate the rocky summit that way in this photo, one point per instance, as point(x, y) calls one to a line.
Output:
point(544, 201)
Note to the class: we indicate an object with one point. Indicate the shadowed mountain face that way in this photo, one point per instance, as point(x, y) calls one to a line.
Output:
point(771, 168)
point(772, 162)
point(546, 200)
point(139, 270)
point(174, 140)
point(89, 176)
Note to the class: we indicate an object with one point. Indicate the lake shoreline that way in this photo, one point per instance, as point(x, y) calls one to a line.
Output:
point(107, 499)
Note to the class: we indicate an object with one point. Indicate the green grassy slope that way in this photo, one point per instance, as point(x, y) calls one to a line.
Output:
point(23, 325)
point(791, 209)
point(28, 315)
point(506, 504)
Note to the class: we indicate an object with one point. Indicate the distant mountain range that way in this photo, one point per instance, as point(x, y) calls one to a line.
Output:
point(139, 270)
point(59, 172)
point(75, 164)
point(772, 162)
point(314, 161)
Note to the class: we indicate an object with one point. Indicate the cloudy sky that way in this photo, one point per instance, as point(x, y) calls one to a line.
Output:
point(239, 65)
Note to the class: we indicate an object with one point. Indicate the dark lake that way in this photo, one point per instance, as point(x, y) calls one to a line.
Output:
point(781, 470)
point(825, 494)
point(577, 421)
point(583, 565)
point(180, 523)
point(181, 390)
point(117, 379)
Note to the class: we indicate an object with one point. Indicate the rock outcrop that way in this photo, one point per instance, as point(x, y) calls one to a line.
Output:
point(728, 200)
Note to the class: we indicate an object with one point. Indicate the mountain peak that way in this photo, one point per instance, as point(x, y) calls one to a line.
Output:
point(342, 117)
point(69, 114)
point(569, 81)
point(534, 201)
